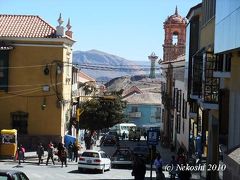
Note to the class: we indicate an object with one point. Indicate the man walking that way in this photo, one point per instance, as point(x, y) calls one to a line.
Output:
point(40, 153)
point(50, 153)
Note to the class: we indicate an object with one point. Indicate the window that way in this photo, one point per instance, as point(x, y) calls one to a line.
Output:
point(175, 38)
point(134, 109)
point(20, 121)
point(175, 98)
point(163, 115)
point(179, 98)
point(183, 126)
point(4, 56)
point(183, 105)
point(178, 123)
point(158, 113)
point(103, 155)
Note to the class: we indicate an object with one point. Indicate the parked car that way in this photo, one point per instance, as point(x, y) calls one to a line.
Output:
point(121, 157)
point(94, 160)
point(109, 140)
point(12, 175)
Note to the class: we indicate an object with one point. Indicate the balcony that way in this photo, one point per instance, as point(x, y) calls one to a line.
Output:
point(135, 114)
point(222, 66)
point(210, 88)
point(205, 87)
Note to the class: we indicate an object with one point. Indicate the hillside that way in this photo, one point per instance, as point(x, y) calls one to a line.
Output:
point(104, 67)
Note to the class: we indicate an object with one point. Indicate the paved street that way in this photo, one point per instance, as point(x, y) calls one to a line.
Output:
point(52, 172)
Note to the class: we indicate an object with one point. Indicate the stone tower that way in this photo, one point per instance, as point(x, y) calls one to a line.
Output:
point(175, 37)
point(153, 59)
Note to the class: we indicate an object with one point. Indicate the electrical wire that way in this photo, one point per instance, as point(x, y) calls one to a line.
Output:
point(15, 95)
point(24, 85)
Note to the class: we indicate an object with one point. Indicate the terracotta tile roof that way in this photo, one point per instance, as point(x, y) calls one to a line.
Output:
point(25, 26)
point(146, 98)
point(83, 77)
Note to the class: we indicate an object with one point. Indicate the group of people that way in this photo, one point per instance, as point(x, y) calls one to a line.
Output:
point(139, 167)
point(61, 151)
point(73, 151)
point(180, 160)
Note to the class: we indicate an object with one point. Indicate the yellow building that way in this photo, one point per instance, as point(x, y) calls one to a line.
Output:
point(35, 78)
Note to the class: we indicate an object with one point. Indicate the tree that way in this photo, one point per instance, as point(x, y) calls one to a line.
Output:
point(102, 112)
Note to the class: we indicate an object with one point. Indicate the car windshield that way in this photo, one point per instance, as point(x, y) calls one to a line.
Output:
point(141, 149)
point(109, 137)
point(90, 154)
point(122, 153)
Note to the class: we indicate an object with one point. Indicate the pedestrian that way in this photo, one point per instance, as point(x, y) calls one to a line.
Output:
point(158, 165)
point(40, 153)
point(145, 135)
point(23, 153)
point(123, 135)
point(59, 148)
point(161, 175)
point(75, 151)
point(173, 171)
point(20, 154)
point(70, 151)
point(50, 151)
point(139, 168)
point(63, 156)
point(183, 174)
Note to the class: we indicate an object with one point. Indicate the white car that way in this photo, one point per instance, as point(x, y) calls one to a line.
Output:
point(95, 160)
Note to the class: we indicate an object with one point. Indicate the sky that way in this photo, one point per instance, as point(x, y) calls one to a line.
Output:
point(131, 29)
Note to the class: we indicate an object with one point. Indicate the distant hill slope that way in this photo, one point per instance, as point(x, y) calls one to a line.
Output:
point(104, 67)
point(144, 83)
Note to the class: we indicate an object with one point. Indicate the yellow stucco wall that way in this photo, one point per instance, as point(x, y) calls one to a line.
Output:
point(51, 120)
point(234, 83)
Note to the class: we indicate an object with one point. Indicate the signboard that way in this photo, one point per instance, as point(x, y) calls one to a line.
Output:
point(152, 137)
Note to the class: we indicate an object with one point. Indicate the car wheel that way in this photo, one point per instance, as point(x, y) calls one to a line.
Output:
point(80, 170)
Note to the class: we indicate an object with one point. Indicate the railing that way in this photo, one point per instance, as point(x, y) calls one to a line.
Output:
point(210, 88)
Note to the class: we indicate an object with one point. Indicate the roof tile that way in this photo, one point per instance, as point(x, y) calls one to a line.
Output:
point(25, 26)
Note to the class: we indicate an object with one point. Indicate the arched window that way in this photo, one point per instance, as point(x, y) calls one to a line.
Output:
point(175, 38)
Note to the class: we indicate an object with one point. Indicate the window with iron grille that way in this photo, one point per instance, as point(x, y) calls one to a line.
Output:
point(178, 123)
point(179, 98)
point(183, 105)
point(163, 115)
point(20, 121)
point(4, 57)
point(175, 98)
point(183, 126)
point(210, 84)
